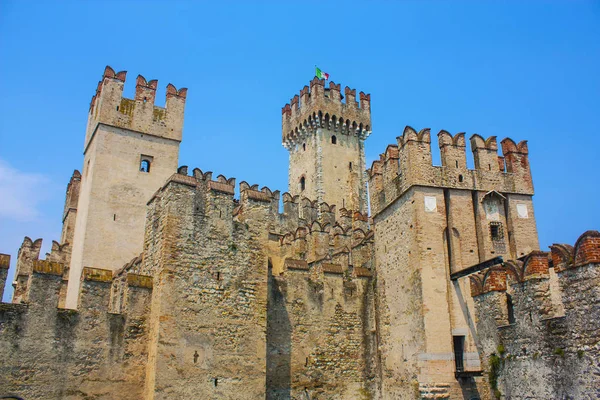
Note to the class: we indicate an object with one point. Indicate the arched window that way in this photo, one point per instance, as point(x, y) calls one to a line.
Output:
point(302, 184)
point(333, 139)
point(145, 162)
point(145, 166)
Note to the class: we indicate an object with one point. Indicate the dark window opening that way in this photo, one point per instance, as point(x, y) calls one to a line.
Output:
point(456, 163)
point(215, 382)
point(304, 146)
point(460, 178)
point(117, 108)
point(490, 166)
point(302, 184)
point(496, 231)
point(511, 309)
point(459, 350)
point(114, 217)
point(350, 166)
point(145, 166)
point(333, 140)
point(218, 276)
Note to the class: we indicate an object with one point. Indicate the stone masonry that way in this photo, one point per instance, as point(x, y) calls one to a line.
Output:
point(166, 286)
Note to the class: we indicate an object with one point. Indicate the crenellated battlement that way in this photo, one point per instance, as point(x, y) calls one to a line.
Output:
point(538, 264)
point(538, 312)
point(109, 107)
point(320, 107)
point(409, 163)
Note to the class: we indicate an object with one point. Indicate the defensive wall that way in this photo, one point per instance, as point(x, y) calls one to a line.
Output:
point(538, 320)
point(238, 293)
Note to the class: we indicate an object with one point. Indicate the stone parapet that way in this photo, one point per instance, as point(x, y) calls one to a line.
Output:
point(319, 107)
point(409, 164)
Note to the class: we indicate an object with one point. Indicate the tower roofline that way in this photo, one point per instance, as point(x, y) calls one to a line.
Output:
point(317, 107)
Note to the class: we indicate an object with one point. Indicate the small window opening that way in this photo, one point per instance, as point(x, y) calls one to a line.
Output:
point(303, 146)
point(117, 108)
point(496, 231)
point(459, 349)
point(218, 276)
point(145, 166)
point(511, 309)
point(145, 100)
point(215, 381)
point(306, 362)
point(302, 184)
point(456, 163)
point(196, 355)
point(460, 178)
point(490, 167)
point(333, 140)
point(350, 165)
point(114, 217)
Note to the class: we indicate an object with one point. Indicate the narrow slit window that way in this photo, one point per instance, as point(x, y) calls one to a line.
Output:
point(350, 166)
point(302, 184)
point(511, 309)
point(459, 350)
point(333, 139)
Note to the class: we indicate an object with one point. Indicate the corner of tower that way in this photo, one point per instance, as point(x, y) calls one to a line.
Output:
point(109, 107)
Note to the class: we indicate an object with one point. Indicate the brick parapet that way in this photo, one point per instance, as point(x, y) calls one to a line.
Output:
point(396, 172)
point(317, 107)
point(548, 316)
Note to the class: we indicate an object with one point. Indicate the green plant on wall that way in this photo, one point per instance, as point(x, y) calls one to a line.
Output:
point(495, 365)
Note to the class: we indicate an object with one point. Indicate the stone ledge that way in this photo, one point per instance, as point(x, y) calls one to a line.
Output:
point(96, 274)
point(142, 281)
point(48, 267)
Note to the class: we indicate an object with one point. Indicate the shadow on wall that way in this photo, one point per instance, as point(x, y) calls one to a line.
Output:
point(279, 342)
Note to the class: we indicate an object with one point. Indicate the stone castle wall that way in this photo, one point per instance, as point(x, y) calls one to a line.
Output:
point(225, 298)
point(538, 322)
point(54, 353)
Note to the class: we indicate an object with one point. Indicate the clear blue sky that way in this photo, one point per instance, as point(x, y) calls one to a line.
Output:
point(526, 71)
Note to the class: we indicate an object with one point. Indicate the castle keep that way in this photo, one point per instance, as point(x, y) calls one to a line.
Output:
point(401, 280)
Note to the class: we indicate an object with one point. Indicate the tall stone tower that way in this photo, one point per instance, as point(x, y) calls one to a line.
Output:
point(325, 135)
point(131, 148)
point(430, 222)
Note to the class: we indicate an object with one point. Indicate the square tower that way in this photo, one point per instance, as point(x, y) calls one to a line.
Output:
point(325, 137)
point(131, 148)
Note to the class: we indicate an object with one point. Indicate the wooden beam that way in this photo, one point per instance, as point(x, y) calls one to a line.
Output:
point(476, 268)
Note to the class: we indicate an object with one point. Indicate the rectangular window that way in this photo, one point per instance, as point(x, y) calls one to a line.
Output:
point(496, 231)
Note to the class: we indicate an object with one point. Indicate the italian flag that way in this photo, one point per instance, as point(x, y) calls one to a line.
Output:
point(320, 74)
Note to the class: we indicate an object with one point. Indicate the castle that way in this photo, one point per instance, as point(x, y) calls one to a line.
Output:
point(164, 285)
